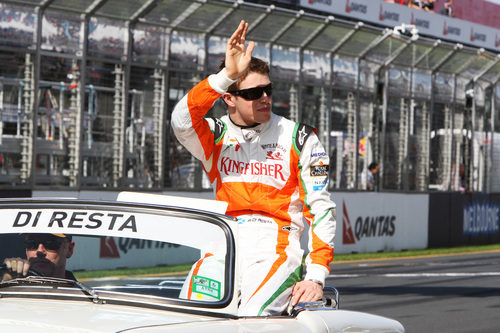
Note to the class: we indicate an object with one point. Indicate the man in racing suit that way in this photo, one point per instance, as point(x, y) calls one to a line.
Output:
point(273, 173)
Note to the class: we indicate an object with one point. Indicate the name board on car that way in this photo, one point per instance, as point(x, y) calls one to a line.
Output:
point(159, 225)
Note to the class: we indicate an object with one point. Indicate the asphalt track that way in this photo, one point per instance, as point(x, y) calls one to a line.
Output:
point(451, 293)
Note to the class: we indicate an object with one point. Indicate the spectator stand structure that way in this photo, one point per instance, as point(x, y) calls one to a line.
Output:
point(87, 87)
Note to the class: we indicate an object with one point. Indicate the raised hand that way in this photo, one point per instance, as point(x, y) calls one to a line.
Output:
point(237, 57)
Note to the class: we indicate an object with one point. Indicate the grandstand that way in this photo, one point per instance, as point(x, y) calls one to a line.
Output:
point(87, 88)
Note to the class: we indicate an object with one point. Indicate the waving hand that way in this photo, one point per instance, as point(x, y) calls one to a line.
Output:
point(237, 58)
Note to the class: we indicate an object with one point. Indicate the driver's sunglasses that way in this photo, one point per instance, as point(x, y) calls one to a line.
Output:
point(252, 94)
point(48, 244)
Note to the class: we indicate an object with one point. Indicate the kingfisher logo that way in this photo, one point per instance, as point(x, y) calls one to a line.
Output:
point(232, 167)
point(366, 227)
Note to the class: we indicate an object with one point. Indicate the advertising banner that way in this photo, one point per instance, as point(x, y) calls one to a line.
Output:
point(457, 219)
point(115, 252)
point(372, 222)
point(430, 24)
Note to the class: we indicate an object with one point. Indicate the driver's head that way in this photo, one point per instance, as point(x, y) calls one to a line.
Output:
point(249, 100)
point(47, 253)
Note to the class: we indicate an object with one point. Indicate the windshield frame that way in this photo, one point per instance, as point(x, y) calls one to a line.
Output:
point(215, 219)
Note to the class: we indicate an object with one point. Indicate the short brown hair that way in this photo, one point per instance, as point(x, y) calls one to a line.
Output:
point(256, 66)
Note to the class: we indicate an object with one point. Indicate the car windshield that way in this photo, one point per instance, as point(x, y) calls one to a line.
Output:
point(173, 253)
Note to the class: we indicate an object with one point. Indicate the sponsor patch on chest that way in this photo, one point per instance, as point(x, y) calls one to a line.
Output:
point(274, 151)
point(231, 167)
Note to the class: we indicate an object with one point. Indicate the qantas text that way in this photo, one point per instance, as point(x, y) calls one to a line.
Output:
point(375, 226)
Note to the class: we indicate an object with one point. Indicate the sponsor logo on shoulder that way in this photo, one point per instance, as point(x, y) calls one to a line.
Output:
point(302, 135)
point(318, 185)
point(319, 170)
point(219, 124)
point(320, 154)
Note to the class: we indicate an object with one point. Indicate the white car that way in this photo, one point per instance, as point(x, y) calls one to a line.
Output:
point(145, 268)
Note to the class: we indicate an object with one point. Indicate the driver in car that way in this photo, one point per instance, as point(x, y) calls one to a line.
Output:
point(272, 172)
point(46, 255)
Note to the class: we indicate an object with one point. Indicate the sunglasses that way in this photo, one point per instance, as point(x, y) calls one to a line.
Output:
point(48, 244)
point(252, 94)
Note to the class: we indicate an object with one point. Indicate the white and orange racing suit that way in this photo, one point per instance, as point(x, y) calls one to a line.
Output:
point(272, 176)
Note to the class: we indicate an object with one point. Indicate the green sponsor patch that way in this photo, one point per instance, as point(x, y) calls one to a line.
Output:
point(206, 286)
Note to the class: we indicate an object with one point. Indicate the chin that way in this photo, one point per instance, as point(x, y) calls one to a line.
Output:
point(263, 118)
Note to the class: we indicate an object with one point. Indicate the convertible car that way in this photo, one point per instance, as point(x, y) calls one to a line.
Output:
point(168, 265)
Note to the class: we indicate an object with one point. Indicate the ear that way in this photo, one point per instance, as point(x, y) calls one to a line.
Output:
point(71, 248)
point(228, 99)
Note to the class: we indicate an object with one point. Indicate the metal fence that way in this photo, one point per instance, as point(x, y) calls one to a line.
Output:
point(87, 88)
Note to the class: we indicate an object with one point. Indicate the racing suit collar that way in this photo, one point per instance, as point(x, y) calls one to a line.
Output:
point(243, 126)
point(249, 133)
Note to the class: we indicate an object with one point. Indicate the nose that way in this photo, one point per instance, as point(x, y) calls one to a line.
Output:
point(41, 249)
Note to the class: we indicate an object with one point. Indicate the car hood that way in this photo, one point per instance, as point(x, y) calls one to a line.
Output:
point(29, 315)
point(33, 315)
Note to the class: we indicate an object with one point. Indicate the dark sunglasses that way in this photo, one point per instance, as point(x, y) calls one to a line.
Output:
point(48, 244)
point(252, 94)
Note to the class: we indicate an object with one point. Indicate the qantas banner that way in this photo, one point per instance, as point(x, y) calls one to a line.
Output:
point(116, 252)
point(371, 222)
point(431, 24)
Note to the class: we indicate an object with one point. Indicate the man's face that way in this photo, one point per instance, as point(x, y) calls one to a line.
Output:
point(47, 253)
point(250, 112)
